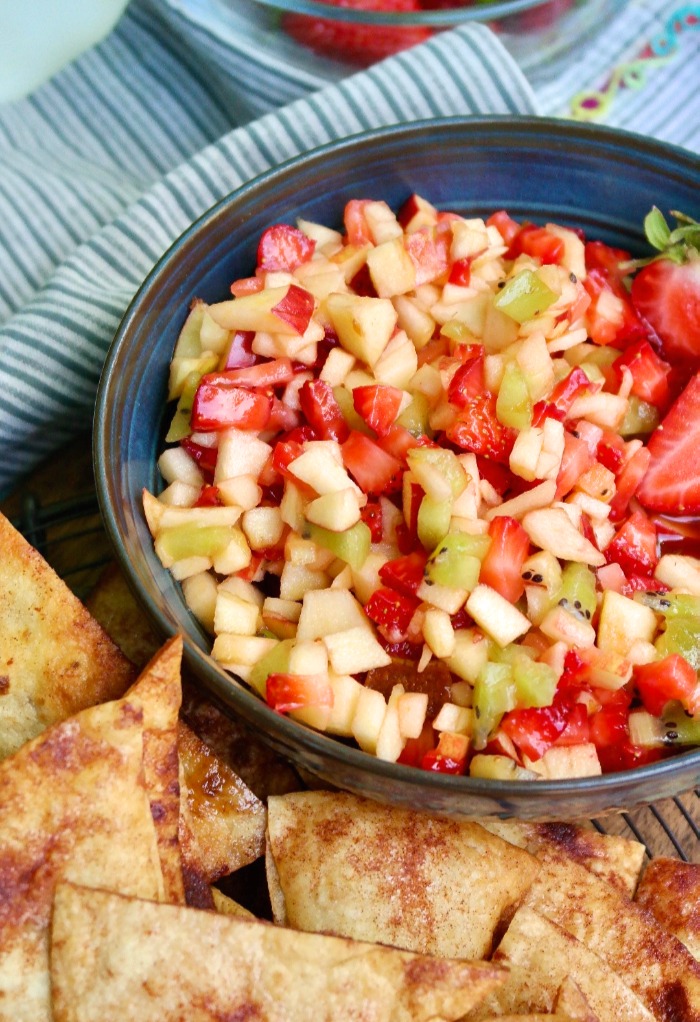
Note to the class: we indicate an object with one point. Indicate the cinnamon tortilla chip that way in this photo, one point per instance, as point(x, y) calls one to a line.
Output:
point(670, 890)
point(345, 865)
point(73, 805)
point(652, 962)
point(112, 604)
point(618, 860)
point(222, 823)
point(541, 956)
point(55, 660)
point(121, 958)
point(571, 1001)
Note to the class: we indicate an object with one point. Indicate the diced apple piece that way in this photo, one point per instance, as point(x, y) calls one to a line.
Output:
point(283, 310)
point(181, 570)
point(337, 366)
point(679, 572)
point(602, 409)
point(561, 626)
point(296, 580)
point(364, 325)
point(391, 268)
point(346, 695)
point(444, 597)
point(549, 461)
point(552, 529)
point(262, 526)
point(153, 511)
point(398, 363)
point(530, 501)
point(308, 657)
point(175, 464)
point(241, 453)
point(241, 492)
point(365, 579)
point(243, 589)
point(343, 580)
point(292, 507)
point(536, 364)
point(304, 552)
point(607, 669)
point(451, 717)
point(235, 557)
point(281, 616)
point(324, 613)
point(350, 259)
point(335, 511)
point(417, 212)
point(173, 517)
point(234, 615)
point(318, 468)
point(368, 719)
point(354, 650)
point(574, 259)
point(213, 336)
point(526, 453)
point(246, 650)
point(439, 633)
point(623, 622)
point(180, 495)
point(381, 222)
point(496, 616)
point(418, 324)
point(200, 592)
point(319, 233)
point(412, 709)
point(470, 654)
point(561, 762)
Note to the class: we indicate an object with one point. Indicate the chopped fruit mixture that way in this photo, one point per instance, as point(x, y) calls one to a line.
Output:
point(410, 493)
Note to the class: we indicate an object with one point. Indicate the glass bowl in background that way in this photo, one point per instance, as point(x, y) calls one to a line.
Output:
point(336, 40)
point(598, 179)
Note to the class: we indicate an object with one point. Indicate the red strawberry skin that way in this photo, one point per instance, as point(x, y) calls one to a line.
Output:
point(672, 482)
point(360, 44)
point(667, 295)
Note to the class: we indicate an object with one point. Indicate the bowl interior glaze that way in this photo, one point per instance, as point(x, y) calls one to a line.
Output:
point(598, 179)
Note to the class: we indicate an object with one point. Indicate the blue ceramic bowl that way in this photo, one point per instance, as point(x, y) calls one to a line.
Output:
point(598, 179)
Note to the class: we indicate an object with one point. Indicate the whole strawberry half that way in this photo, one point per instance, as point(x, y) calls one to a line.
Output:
point(361, 44)
point(672, 481)
point(666, 290)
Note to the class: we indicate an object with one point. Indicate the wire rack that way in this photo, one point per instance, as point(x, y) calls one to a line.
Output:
point(70, 536)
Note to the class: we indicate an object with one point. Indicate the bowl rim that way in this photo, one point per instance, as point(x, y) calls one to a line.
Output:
point(442, 17)
point(278, 729)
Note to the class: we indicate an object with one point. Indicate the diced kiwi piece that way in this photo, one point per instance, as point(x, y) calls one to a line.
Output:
point(352, 545)
point(433, 521)
point(510, 653)
point(543, 569)
point(513, 404)
point(274, 662)
point(354, 420)
point(192, 540)
point(456, 561)
point(180, 426)
point(578, 592)
point(457, 331)
point(446, 462)
point(535, 682)
point(524, 296)
point(641, 417)
point(414, 417)
point(602, 355)
point(682, 635)
point(499, 768)
point(188, 344)
point(671, 604)
point(494, 694)
point(679, 728)
point(646, 729)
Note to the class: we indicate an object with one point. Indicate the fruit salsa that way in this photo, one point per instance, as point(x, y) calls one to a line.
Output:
point(430, 485)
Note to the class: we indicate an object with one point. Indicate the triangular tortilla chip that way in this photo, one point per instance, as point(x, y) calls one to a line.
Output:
point(540, 956)
point(653, 963)
point(222, 823)
point(112, 603)
point(121, 958)
point(55, 660)
point(571, 1001)
point(158, 693)
point(618, 860)
point(341, 864)
point(227, 906)
point(670, 890)
point(73, 804)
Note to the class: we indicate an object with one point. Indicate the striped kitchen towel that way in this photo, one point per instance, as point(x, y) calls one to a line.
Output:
point(105, 165)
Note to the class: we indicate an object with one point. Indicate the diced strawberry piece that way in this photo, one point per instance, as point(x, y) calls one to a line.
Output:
point(506, 226)
point(356, 229)
point(282, 247)
point(404, 574)
point(204, 456)
point(322, 411)
point(576, 460)
point(209, 496)
point(607, 259)
point(450, 756)
point(672, 480)
point(399, 441)
point(577, 730)
point(371, 515)
point(671, 678)
point(633, 546)
point(533, 731)
point(628, 483)
point(478, 429)
point(619, 330)
point(642, 584)
point(429, 251)
point(502, 566)
point(612, 452)
point(219, 405)
point(468, 381)
point(461, 272)
point(649, 373)
point(240, 352)
point(391, 612)
point(282, 419)
point(273, 373)
point(567, 390)
point(287, 692)
point(416, 748)
point(537, 242)
point(433, 350)
point(378, 405)
point(373, 469)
